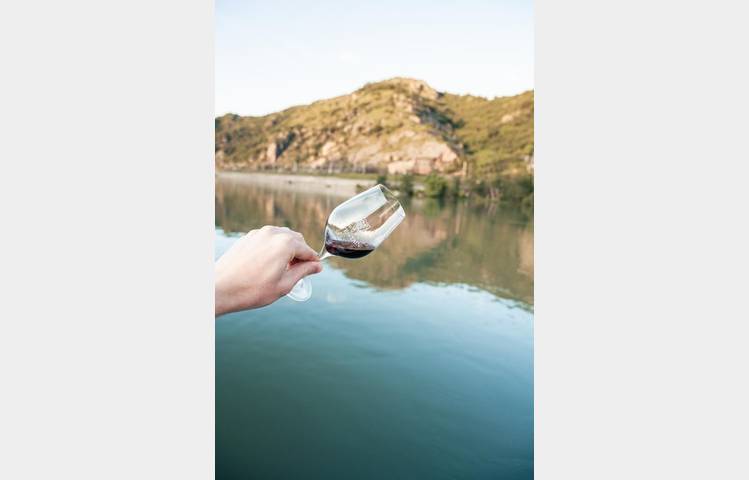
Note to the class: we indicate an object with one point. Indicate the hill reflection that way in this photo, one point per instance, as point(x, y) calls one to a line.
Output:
point(454, 242)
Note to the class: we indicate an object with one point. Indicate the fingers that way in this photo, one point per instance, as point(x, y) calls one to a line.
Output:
point(298, 271)
point(291, 241)
point(292, 232)
point(299, 248)
point(272, 230)
point(302, 251)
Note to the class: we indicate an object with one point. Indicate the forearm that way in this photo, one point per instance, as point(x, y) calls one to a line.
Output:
point(231, 299)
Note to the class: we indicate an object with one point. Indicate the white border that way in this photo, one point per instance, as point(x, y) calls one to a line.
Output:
point(106, 317)
point(641, 240)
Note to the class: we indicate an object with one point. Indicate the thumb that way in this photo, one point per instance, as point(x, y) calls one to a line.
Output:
point(298, 271)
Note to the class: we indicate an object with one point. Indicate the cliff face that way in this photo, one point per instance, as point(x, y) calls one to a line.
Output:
point(398, 125)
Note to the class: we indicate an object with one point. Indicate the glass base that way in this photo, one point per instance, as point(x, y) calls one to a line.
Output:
point(301, 291)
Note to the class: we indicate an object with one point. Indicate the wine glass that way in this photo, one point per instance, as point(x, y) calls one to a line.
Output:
point(355, 228)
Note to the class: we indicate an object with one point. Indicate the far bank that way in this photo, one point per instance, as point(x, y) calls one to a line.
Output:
point(344, 187)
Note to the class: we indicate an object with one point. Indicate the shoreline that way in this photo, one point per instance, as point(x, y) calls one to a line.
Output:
point(299, 183)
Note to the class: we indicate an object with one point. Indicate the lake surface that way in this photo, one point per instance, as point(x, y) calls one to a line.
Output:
point(413, 362)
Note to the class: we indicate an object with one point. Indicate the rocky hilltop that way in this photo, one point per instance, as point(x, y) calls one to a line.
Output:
point(396, 126)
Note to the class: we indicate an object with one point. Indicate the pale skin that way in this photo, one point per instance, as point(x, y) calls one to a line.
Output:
point(262, 267)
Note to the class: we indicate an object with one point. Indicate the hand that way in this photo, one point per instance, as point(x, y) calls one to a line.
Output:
point(261, 267)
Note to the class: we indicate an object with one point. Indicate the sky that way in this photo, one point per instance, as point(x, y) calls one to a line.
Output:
point(271, 55)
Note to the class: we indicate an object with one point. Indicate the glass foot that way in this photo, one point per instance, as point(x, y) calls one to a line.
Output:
point(301, 291)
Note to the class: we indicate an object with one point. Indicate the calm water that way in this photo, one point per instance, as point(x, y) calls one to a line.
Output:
point(413, 362)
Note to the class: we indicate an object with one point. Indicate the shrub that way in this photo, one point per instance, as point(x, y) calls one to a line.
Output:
point(454, 189)
point(435, 186)
point(527, 204)
point(382, 179)
point(515, 189)
point(407, 184)
point(480, 188)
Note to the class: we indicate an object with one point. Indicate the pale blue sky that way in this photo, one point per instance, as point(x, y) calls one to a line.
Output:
point(271, 55)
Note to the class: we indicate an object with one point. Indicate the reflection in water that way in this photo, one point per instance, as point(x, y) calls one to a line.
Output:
point(451, 242)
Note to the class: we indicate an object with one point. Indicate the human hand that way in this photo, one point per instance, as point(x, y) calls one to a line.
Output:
point(261, 267)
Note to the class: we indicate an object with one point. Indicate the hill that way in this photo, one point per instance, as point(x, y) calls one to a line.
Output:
point(395, 126)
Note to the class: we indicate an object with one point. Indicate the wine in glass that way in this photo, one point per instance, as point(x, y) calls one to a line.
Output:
point(355, 228)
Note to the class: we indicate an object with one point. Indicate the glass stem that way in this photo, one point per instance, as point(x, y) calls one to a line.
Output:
point(324, 254)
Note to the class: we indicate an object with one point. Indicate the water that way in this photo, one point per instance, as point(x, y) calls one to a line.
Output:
point(413, 362)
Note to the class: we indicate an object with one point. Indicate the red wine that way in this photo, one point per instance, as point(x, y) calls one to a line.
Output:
point(347, 249)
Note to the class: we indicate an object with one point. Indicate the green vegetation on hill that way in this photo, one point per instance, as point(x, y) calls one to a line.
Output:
point(497, 134)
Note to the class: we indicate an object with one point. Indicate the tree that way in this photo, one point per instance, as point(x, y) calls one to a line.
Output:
point(454, 190)
point(435, 186)
point(407, 184)
point(382, 179)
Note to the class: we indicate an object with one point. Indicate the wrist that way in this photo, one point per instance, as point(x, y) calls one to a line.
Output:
point(221, 302)
point(223, 299)
point(231, 297)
